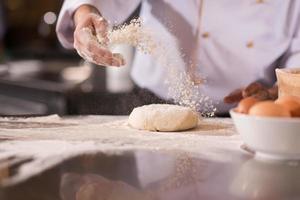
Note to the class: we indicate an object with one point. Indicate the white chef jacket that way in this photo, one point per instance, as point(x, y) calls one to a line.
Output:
point(241, 40)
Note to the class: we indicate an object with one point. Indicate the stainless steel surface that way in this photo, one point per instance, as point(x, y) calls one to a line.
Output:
point(160, 175)
point(110, 161)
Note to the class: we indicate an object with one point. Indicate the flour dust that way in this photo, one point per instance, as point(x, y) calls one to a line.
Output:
point(181, 88)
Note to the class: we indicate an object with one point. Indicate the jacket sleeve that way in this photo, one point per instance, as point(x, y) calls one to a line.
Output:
point(115, 11)
point(292, 57)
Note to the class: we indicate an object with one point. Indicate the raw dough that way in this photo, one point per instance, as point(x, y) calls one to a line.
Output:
point(163, 117)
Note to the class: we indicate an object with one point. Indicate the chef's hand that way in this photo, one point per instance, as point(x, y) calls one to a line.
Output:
point(256, 90)
point(90, 38)
point(96, 187)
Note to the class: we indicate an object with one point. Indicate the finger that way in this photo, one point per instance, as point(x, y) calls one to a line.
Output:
point(84, 36)
point(87, 47)
point(105, 56)
point(273, 92)
point(116, 62)
point(97, 49)
point(101, 25)
point(101, 60)
point(95, 54)
point(89, 41)
point(102, 40)
point(101, 29)
point(86, 56)
point(104, 61)
point(252, 89)
point(262, 95)
point(94, 59)
point(87, 21)
point(89, 56)
point(119, 58)
point(234, 96)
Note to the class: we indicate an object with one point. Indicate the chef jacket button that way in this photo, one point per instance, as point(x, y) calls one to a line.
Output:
point(250, 44)
point(205, 35)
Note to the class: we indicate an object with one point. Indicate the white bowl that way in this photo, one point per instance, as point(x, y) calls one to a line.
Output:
point(270, 137)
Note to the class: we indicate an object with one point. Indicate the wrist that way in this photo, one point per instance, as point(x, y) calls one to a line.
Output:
point(82, 11)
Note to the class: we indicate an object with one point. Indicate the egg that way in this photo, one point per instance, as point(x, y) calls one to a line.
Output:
point(245, 104)
point(269, 109)
point(291, 103)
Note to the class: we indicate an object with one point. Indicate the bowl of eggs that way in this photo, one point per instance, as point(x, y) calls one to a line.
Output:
point(270, 128)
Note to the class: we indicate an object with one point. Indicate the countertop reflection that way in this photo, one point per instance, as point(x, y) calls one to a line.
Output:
point(160, 175)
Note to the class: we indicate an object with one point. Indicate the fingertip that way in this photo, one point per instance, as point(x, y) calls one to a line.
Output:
point(108, 55)
point(118, 62)
point(123, 62)
point(115, 64)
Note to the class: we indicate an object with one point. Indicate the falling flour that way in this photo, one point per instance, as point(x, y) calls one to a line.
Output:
point(181, 88)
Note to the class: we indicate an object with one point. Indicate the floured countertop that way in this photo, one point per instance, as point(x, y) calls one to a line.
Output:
point(49, 140)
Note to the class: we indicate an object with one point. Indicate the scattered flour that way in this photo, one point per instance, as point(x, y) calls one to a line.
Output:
point(135, 35)
point(50, 118)
point(50, 146)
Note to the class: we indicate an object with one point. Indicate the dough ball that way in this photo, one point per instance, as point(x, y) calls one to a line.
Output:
point(163, 117)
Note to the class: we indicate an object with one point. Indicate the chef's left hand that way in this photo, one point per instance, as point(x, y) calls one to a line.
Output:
point(256, 90)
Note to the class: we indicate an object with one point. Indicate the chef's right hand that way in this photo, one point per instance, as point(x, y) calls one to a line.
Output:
point(256, 90)
point(90, 38)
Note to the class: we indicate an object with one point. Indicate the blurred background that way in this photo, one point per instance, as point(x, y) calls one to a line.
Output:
point(39, 77)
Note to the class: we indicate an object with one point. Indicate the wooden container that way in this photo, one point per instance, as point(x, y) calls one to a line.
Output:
point(288, 81)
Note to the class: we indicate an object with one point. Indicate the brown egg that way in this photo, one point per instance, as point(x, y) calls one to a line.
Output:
point(270, 109)
point(245, 104)
point(292, 103)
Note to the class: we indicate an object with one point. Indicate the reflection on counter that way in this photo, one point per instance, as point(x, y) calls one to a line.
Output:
point(158, 175)
point(92, 186)
point(127, 175)
point(258, 179)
